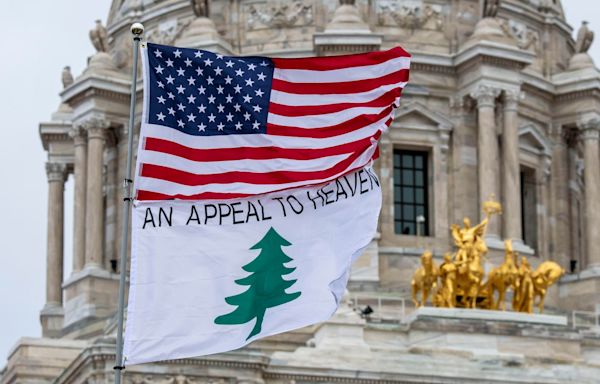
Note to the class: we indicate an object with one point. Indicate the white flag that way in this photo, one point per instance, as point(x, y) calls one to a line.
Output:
point(212, 276)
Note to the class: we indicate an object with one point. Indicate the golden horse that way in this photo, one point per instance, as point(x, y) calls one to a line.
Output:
point(424, 279)
point(544, 276)
point(503, 277)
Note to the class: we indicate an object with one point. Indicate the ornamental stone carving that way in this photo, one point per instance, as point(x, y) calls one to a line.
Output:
point(56, 171)
point(589, 127)
point(527, 38)
point(201, 8)
point(66, 76)
point(99, 37)
point(410, 16)
point(79, 135)
point(280, 14)
point(485, 95)
point(167, 32)
point(512, 99)
point(95, 126)
point(585, 37)
point(490, 8)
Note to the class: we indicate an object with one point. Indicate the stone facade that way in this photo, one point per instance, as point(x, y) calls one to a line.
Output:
point(501, 101)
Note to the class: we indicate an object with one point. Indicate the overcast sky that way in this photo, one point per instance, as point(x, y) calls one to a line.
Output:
point(39, 39)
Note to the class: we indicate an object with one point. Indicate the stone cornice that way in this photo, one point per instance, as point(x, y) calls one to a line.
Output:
point(495, 54)
point(53, 132)
point(96, 86)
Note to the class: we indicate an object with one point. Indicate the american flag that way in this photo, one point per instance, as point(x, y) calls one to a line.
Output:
point(219, 127)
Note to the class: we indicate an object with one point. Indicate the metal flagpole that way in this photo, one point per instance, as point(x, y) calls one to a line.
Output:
point(137, 30)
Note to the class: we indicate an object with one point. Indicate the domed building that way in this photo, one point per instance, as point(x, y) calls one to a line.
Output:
point(502, 102)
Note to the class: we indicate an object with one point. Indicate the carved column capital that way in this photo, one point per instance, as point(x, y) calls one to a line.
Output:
point(56, 171)
point(79, 135)
point(485, 95)
point(590, 127)
point(512, 99)
point(96, 127)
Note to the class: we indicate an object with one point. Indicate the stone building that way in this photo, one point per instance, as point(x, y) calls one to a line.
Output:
point(501, 101)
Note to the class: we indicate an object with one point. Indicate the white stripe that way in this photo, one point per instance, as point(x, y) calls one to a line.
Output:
point(260, 166)
point(344, 74)
point(258, 140)
point(293, 99)
point(170, 188)
point(327, 119)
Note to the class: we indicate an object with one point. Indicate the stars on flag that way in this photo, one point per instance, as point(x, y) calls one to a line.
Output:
point(225, 95)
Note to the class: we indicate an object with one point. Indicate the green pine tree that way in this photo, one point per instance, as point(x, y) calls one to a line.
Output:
point(266, 284)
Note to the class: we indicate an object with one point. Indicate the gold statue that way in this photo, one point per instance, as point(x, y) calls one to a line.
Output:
point(424, 279)
point(503, 277)
point(544, 276)
point(446, 295)
point(471, 249)
point(523, 298)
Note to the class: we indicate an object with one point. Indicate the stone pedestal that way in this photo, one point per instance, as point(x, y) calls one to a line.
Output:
point(202, 34)
point(484, 315)
point(90, 294)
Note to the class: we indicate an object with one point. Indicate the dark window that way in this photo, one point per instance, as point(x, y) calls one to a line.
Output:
point(410, 192)
point(529, 207)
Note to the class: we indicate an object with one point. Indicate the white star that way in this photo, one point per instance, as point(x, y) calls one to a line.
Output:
point(249, 82)
point(180, 89)
point(256, 125)
point(191, 99)
point(191, 81)
point(180, 72)
point(171, 111)
point(202, 90)
point(159, 69)
point(157, 53)
point(229, 117)
point(220, 89)
point(221, 108)
point(199, 71)
point(181, 107)
point(237, 88)
point(177, 53)
point(239, 72)
point(211, 99)
point(264, 64)
point(160, 84)
point(188, 62)
point(261, 76)
point(238, 126)
point(251, 66)
point(229, 64)
point(228, 80)
point(160, 116)
point(247, 98)
point(171, 95)
point(208, 62)
point(201, 127)
point(220, 126)
point(180, 123)
point(202, 108)
point(229, 99)
point(211, 118)
point(219, 56)
point(218, 71)
point(210, 80)
point(198, 54)
point(237, 107)
point(191, 117)
point(169, 63)
point(161, 99)
point(259, 92)
point(257, 108)
point(170, 79)
point(246, 116)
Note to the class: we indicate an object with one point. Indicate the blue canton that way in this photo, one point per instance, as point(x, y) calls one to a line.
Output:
point(202, 93)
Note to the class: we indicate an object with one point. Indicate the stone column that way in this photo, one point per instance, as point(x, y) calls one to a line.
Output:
point(591, 153)
point(54, 269)
point(80, 142)
point(560, 223)
point(511, 183)
point(94, 215)
point(487, 149)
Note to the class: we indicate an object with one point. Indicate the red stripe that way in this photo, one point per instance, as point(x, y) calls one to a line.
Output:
point(276, 177)
point(341, 87)
point(249, 153)
point(149, 195)
point(337, 62)
point(309, 110)
point(353, 124)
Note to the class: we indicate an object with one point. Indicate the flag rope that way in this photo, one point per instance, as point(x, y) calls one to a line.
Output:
point(137, 30)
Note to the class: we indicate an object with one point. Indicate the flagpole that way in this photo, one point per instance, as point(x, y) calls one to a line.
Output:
point(137, 30)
